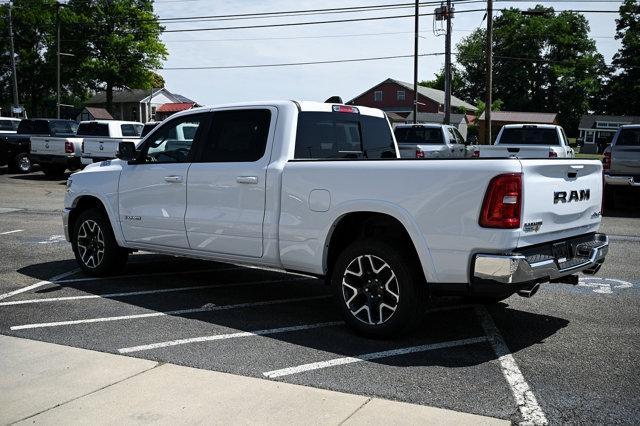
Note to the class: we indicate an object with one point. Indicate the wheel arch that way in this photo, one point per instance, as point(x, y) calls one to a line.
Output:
point(378, 220)
point(88, 201)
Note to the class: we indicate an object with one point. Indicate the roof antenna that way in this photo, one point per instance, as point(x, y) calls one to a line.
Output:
point(334, 100)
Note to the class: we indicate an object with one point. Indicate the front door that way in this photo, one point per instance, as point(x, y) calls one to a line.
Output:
point(227, 183)
point(152, 192)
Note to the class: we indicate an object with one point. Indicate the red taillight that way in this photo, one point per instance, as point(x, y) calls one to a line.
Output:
point(501, 206)
point(345, 108)
point(476, 154)
point(69, 148)
point(419, 153)
point(606, 161)
point(553, 154)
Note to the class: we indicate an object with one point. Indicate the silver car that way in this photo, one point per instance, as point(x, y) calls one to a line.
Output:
point(621, 161)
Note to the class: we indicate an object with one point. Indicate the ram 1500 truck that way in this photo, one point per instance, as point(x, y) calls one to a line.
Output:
point(320, 189)
point(430, 141)
point(101, 138)
point(529, 141)
point(14, 148)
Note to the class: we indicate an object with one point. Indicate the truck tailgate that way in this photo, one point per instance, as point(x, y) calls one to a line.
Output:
point(517, 151)
point(103, 147)
point(47, 145)
point(561, 198)
point(625, 160)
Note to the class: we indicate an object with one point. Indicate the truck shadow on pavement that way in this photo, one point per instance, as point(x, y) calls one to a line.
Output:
point(627, 204)
point(271, 300)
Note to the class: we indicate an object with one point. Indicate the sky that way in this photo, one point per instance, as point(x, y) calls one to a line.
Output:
point(323, 42)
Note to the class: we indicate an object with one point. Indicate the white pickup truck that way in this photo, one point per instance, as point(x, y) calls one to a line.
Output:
point(529, 141)
point(101, 138)
point(320, 189)
point(430, 141)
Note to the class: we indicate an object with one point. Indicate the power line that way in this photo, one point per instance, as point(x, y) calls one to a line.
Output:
point(288, 64)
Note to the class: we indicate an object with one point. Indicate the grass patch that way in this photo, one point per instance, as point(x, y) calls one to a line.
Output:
point(590, 156)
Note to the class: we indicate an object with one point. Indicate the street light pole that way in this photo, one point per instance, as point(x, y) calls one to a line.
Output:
point(16, 102)
point(447, 67)
point(415, 65)
point(489, 81)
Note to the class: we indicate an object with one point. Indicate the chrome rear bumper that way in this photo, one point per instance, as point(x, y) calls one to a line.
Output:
point(533, 267)
point(620, 180)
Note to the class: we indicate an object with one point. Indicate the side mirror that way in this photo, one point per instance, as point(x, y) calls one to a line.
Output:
point(126, 151)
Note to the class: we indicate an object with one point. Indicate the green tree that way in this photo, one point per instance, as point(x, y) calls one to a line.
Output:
point(624, 87)
point(542, 62)
point(34, 38)
point(481, 107)
point(117, 44)
point(438, 81)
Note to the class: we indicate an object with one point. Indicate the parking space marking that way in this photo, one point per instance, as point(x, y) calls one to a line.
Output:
point(145, 292)
point(604, 285)
point(53, 280)
point(371, 356)
point(11, 232)
point(214, 337)
point(207, 308)
point(526, 400)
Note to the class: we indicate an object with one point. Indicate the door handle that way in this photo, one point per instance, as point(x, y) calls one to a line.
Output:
point(247, 179)
point(173, 178)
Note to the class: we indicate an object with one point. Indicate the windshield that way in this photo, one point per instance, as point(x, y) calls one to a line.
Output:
point(419, 135)
point(529, 136)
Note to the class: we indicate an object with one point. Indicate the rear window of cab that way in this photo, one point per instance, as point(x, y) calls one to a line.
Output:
point(338, 135)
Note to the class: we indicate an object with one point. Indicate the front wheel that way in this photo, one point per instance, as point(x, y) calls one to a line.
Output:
point(95, 246)
point(379, 288)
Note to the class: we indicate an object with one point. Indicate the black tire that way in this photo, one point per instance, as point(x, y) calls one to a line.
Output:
point(392, 306)
point(53, 170)
point(94, 245)
point(21, 163)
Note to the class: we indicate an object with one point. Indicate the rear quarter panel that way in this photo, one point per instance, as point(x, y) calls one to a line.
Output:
point(437, 201)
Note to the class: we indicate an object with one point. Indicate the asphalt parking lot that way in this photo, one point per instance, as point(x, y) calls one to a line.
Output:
point(569, 354)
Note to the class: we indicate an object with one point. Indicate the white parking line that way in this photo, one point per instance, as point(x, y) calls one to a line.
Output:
point(145, 292)
point(11, 232)
point(213, 337)
point(526, 400)
point(208, 308)
point(38, 284)
point(371, 356)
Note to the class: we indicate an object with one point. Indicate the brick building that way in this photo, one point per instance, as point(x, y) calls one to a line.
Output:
point(397, 97)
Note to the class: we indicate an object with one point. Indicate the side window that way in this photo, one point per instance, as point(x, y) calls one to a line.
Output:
point(6, 125)
point(172, 143)
point(237, 136)
point(457, 137)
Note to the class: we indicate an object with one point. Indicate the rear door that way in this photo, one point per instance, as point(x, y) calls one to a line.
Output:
point(560, 198)
point(625, 153)
point(227, 183)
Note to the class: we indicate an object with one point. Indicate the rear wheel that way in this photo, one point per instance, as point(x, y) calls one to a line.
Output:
point(21, 163)
point(95, 246)
point(379, 288)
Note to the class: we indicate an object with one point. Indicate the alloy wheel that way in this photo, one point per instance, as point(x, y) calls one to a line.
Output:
point(370, 289)
point(90, 243)
point(24, 164)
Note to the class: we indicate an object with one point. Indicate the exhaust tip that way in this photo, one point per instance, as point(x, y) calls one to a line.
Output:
point(529, 292)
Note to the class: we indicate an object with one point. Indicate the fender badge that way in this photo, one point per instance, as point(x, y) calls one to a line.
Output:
point(532, 226)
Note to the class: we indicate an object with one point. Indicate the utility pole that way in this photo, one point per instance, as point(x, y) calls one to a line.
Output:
point(489, 82)
point(447, 67)
point(58, 59)
point(415, 65)
point(16, 102)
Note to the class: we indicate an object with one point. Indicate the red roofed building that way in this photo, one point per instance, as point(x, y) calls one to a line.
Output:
point(166, 110)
